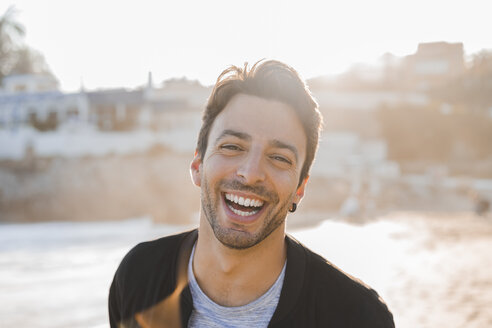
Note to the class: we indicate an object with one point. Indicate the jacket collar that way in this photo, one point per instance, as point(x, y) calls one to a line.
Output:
point(291, 290)
point(294, 279)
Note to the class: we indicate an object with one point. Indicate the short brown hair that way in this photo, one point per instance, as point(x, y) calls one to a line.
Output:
point(272, 80)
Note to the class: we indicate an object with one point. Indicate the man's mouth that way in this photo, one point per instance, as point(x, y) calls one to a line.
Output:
point(243, 206)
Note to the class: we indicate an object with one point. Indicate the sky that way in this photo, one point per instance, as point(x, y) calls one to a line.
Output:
point(108, 43)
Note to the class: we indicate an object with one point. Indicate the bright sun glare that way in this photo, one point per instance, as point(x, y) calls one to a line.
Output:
point(116, 44)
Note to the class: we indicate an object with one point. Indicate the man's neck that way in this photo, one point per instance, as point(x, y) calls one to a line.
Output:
point(232, 277)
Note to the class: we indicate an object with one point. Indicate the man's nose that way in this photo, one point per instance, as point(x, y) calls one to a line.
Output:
point(251, 169)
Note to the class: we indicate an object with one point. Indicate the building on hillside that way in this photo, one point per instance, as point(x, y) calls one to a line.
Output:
point(177, 104)
point(116, 109)
point(29, 83)
point(434, 63)
point(190, 92)
point(35, 100)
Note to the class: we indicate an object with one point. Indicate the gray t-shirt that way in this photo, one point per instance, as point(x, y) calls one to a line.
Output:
point(206, 313)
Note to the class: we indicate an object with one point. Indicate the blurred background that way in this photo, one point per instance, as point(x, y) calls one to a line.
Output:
point(100, 107)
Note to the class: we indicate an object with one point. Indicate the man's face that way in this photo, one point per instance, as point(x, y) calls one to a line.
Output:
point(250, 172)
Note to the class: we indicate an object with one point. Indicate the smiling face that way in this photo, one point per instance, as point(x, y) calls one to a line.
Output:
point(250, 173)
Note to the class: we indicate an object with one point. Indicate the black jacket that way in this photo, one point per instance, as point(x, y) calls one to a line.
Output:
point(150, 290)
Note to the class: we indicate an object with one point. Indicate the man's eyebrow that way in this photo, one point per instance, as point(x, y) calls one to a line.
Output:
point(280, 144)
point(237, 134)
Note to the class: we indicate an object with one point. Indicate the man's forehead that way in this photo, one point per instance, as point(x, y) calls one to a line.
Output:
point(258, 118)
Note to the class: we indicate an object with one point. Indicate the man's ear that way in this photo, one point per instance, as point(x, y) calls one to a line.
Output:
point(195, 170)
point(300, 191)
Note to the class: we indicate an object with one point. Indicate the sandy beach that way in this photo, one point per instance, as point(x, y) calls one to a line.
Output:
point(445, 278)
point(432, 269)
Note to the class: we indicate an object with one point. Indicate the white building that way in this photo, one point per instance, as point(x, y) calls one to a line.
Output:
point(35, 100)
point(29, 83)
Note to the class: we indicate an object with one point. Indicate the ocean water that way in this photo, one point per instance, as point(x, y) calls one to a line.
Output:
point(58, 274)
point(431, 271)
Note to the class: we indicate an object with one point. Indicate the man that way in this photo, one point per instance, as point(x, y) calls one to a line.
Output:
point(239, 269)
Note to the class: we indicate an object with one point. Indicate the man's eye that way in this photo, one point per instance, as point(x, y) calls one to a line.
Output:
point(281, 159)
point(230, 147)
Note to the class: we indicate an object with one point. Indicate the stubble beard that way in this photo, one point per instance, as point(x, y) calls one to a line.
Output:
point(236, 238)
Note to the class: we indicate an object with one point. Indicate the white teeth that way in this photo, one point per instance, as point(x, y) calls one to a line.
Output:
point(241, 213)
point(248, 202)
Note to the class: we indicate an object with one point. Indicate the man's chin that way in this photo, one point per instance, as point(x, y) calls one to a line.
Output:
point(235, 238)
point(240, 238)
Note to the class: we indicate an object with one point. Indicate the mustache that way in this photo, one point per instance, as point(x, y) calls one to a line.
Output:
point(258, 190)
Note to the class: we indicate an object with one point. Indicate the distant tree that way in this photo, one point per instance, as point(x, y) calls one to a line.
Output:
point(11, 33)
point(15, 56)
point(29, 61)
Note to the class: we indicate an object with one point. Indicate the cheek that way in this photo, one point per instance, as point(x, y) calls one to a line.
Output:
point(213, 172)
point(217, 165)
point(286, 184)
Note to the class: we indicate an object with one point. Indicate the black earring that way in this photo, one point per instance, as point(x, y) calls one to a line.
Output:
point(294, 208)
